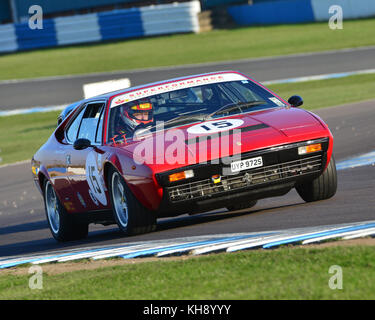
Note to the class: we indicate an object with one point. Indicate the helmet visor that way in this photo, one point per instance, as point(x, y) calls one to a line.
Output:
point(141, 112)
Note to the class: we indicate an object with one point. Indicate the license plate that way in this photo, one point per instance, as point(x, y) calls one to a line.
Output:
point(240, 165)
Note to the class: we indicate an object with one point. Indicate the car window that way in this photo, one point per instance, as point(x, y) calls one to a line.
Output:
point(201, 100)
point(99, 131)
point(249, 95)
point(71, 133)
point(90, 120)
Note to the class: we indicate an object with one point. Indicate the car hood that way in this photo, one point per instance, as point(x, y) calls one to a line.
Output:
point(262, 129)
point(290, 121)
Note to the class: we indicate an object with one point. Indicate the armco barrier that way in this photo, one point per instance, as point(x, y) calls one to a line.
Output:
point(77, 29)
point(120, 24)
point(298, 11)
point(36, 38)
point(171, 18)
point(210, 4)
point(8, 38)
point(117, 24)
point(292, 11)
point(352, 9)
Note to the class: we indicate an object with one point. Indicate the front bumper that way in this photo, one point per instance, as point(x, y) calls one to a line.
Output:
point(282, 169)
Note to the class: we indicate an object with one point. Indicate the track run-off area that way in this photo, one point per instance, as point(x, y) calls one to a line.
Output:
point(24, 230)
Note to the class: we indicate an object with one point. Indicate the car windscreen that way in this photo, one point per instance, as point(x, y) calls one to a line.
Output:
point(188, 105)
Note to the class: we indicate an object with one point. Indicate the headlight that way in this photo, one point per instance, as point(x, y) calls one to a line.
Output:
point(310, 148)
point(181, 175)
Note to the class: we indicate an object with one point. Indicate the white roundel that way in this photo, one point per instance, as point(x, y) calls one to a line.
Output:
point(215, 126)
point(94, 180)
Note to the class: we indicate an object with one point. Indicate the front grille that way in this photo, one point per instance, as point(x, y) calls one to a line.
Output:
point(267, 174)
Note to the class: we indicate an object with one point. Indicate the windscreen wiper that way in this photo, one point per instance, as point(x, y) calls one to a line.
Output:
point(233, 106)
point(187, 117)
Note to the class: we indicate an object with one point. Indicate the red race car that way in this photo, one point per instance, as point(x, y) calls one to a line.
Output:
point(180, 146)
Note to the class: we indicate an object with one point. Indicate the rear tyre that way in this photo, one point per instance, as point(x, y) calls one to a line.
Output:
point(63, 226)
point(131, 216)
point(244, 205)
point(321, 188)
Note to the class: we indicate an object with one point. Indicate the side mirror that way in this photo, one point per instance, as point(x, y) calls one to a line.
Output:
point(81, 144)
point(295, 101)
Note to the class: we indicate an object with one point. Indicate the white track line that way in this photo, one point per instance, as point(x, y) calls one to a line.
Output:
point(15, 164)
point(325, 76)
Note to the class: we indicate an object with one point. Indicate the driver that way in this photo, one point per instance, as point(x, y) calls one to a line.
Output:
point(135, 115)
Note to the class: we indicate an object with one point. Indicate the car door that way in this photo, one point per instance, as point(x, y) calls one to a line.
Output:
point(84, 166)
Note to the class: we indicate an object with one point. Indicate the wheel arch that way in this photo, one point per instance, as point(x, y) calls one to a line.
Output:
point(114, 163)
point(42, 177)
point(141, 195)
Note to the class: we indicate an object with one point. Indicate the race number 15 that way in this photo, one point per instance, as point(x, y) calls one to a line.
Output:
point(216, 125)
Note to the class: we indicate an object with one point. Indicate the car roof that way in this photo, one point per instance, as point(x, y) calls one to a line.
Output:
point(108, 95)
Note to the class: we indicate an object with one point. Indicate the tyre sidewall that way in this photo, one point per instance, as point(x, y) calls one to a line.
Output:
point(56, 235)
point(140, 219)
point(125, 229)
point(69, 228)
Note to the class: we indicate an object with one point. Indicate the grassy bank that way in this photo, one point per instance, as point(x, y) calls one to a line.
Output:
point(22, 135)
point(217, 45)
point(286, 273)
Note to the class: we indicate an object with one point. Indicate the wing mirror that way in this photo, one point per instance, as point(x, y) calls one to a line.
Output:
point(295, 101)
point(81, 144)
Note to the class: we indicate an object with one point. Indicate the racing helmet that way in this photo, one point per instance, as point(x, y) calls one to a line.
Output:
point(138, 112)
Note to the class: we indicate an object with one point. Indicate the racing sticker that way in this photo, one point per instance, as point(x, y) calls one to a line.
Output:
point(94, 180)
point(176, 85)
point(215, 126)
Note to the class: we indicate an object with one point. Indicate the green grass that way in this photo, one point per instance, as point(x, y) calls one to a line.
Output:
point(325, 93)
point(217, 45)
point(21, 136)
point(286, 273)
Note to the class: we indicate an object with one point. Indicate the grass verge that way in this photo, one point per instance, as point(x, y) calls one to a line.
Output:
point(217, 45)
point(285, 273)
point(22, 135)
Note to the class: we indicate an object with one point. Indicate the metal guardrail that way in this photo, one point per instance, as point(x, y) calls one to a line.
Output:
point(116, 24)
point(298, 11)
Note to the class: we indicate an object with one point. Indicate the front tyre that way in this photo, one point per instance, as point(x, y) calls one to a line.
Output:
point(62, 225)
point(321, 188)
point(131, 216)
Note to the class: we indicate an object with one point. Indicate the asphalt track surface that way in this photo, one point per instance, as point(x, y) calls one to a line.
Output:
point(62, 90)
point(23, 228)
